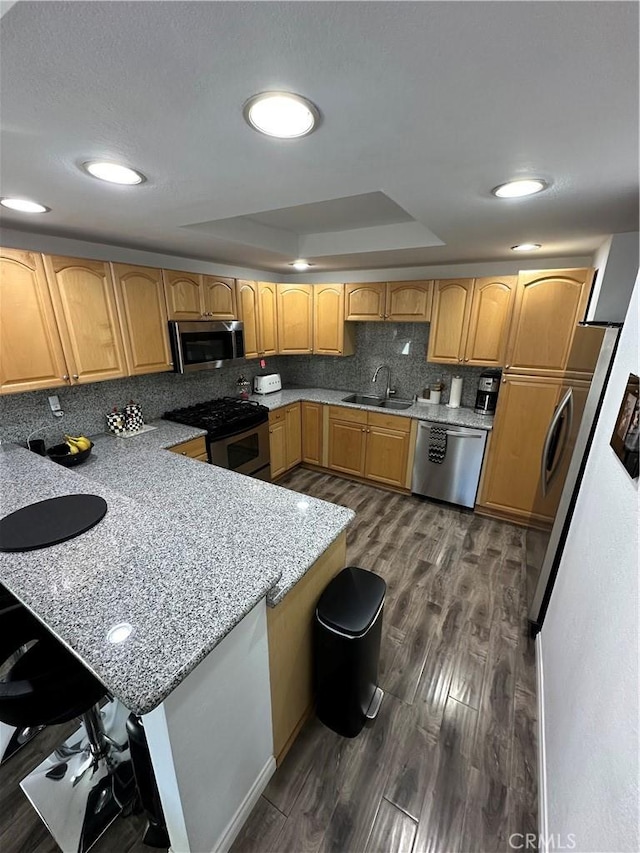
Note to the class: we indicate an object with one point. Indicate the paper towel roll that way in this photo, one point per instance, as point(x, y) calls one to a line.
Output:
point(456, 393)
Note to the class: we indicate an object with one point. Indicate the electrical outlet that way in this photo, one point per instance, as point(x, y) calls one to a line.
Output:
point(55, 406)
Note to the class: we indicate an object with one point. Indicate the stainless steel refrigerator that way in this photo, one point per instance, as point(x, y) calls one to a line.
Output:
point(544, 549)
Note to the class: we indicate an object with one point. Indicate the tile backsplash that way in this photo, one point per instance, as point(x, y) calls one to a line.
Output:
point(400, 345)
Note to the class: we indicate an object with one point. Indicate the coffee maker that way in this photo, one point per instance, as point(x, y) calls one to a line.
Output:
point(487, 395)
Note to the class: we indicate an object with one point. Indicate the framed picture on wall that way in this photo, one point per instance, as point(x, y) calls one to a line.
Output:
point(624, 440)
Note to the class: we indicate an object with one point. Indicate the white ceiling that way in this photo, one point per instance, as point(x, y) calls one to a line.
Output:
point(425, 107)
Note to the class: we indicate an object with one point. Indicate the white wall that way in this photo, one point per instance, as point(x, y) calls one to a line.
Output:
point(589, 645)
point(616, 262)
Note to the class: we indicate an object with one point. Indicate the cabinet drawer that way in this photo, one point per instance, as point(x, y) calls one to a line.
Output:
point(196, 448)
point(379, 419)
point(277, 415)
point(354, 416)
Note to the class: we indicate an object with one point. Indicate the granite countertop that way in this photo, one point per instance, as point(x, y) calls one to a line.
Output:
point(184, 552)
point(422, 412)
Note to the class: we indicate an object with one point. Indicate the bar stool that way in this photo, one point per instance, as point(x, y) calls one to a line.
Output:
point(82, 787)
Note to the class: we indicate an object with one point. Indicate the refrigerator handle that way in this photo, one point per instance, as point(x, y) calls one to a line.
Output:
point(547, 475)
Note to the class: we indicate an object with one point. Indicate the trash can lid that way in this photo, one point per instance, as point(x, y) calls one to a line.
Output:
point(351, 601)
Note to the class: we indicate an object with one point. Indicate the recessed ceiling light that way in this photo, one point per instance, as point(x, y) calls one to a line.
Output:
point(520, 188)
point(301, 265)
point(526, 247)
point(281, 114)
point(23, 205)
point(115, 173)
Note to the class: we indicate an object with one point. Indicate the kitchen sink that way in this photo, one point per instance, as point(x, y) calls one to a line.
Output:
point(364, 400)
point(380, 402)
point(396, 404)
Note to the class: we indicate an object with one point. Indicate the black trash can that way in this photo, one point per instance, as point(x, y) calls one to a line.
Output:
point(348, 627)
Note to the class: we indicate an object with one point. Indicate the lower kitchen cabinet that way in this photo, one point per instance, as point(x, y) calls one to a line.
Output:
point(196, 448)
point(388, 440)
point(312, 420)
point(347, 440)
point(285, 439)
point(511, 484)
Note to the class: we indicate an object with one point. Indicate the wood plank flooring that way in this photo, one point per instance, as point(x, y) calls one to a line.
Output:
point(450, 764)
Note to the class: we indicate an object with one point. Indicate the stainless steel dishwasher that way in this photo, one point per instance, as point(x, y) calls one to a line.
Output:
point(456, 478)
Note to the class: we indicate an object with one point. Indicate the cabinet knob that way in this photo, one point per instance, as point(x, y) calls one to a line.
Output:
point(466, 359)
point(381, 316)
point(504, 378)
point(507, 366)
point(65, 377)
point(459, 359)
point(75, 376)
point(363, 429)
point(183, 453)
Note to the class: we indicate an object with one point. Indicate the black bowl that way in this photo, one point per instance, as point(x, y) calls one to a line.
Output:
point(61, 454)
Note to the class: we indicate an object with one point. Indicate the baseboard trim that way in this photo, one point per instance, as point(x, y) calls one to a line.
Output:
point(542, 754)
point(244, 809)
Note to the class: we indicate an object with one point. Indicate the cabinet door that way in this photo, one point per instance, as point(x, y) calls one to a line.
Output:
point(386, 458)
point(549, 304)
point(347, 446)
point(295, 319)
point(184, 295)
point(143, 312)
point(219, 298)
point(247, 292)
point(312, 432)
point(329, 334)
point(450, 320)
point(409, 301)
point(491, 310)
point(512, 482)
point(278, 446)
point(85, 307)
point(31, 355)
point(267, 319)
point(365, 301)
point(294, 435)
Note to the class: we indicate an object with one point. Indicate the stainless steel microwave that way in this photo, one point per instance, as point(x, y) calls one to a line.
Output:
point(205, 344)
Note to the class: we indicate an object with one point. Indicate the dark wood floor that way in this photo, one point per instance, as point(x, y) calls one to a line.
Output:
point(450, 764)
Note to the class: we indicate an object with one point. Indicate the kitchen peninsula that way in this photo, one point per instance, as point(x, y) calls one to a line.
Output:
point(186, 558)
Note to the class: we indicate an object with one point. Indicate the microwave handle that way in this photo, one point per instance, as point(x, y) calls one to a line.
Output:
point(176, 346)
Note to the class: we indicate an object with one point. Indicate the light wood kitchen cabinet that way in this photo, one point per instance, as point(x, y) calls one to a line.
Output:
point(409, 301)
point(31, 354)
point(295, 319)
point(491, 310)
point(293, 442)
point(191, 296)
point(347, 446)
point(285, 439)
point(143, 313)
point(312, 419)
point(331, 335)
point(219, 298)
point(511, 486)
point(195, 448)
point(183, 291)
point(450, 317)
point(84, 304)
point(549, 304)
point(258, 312)
point(395, 301)
point(388, 439)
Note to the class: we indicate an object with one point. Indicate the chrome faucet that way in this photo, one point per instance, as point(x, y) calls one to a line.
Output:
point(387, 393)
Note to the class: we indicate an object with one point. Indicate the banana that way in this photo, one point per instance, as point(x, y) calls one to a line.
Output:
point(81, 442)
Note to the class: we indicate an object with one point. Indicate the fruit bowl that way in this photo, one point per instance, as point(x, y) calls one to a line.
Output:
point(61, 453)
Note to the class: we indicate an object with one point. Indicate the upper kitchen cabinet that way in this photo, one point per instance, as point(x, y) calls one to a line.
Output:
point(143, 312)
point(450, 317)
point(184, 295)
point(31, 354)
point(331, 335)
point(191, 296)
point(491, 310)
point(258, 312)
point(409, 301)
point(395, 301)
point(365, 301)
point(295, 319)
point(549, 304)
point(219, 298)
point(84, 304)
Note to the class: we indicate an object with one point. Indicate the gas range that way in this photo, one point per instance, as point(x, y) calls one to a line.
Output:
point(222, 418)
point(237, 433)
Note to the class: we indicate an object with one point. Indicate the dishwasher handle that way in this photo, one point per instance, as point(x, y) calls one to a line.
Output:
point(453, 433)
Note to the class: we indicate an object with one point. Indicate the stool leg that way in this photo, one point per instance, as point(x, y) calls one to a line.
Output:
point(78, 794)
